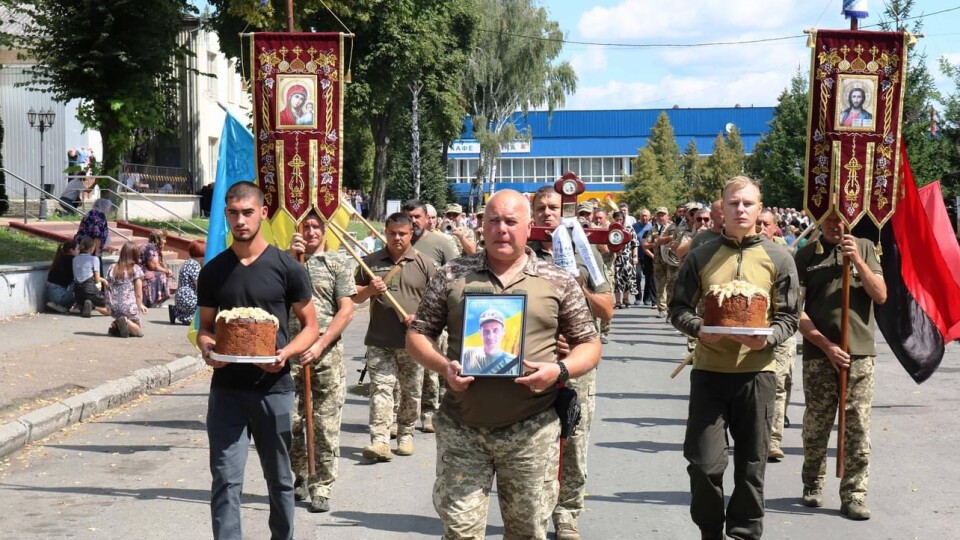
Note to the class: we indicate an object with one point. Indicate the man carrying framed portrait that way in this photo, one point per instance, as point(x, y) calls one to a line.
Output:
point(502, 427)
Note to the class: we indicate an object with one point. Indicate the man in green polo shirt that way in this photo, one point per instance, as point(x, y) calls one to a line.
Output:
point(820, 268)
point(404, 272)
point(502, 427)
point(546, 213)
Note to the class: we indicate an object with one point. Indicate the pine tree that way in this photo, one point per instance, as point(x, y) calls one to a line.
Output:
point(664, 145)
point(692, 169)
point(647, 187)
point(722, 165)
point(777, 160)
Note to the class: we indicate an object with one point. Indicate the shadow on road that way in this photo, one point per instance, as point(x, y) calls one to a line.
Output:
point(121, 450)
point(658, 498)
point(647, 447)
point(641, 395)
point(648, 421)
point(169, 424)
point(199, 496)
point(399, 523)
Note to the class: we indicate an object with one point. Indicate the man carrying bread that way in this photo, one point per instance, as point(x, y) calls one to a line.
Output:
point(252, 400)
point(733, 380)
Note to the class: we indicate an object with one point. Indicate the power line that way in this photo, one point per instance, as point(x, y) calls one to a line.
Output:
point(689, 45)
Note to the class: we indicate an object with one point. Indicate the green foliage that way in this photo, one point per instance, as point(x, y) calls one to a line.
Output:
point(647, 186)
point(777, 160)
point(507, 71)
point(949, 129)
point(664, 145)
point(119, 57)
point(18, 248)
point(724, 163)
point(692, 170)
point(433, 175)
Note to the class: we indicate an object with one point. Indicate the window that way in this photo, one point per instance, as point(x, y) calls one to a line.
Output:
point(212, 73)
point(213, 145)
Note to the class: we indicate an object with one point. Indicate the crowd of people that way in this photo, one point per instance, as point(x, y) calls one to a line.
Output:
point(490, 428)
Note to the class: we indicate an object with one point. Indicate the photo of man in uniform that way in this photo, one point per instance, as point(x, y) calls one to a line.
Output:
point(489, 359)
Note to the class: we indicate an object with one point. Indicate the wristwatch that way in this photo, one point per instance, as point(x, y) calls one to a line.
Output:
point(564, 375)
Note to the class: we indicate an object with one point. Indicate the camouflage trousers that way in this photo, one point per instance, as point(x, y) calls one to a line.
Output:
point(821, 392)
point(524, 458)
point(665, 276)
point(573, 479)
point(784, 354)
point(432, 386)
point(389, 368)
point(328, 391)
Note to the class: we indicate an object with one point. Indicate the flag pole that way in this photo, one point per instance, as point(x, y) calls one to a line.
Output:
point(307, 372)
point(844, 371)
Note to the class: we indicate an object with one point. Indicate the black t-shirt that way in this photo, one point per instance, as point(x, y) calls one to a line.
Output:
point(61, 273)
point(273, 283)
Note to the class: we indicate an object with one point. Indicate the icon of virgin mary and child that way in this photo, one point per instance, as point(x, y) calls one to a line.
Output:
point(298, 110)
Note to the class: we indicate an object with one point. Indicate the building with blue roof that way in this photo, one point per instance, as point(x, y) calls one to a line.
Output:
point(599, 146)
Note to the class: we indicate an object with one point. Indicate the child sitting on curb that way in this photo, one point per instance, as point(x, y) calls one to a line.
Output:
point(86, 277)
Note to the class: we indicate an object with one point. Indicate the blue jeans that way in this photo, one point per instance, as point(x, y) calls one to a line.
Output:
point(233, 417)
point(62, 296)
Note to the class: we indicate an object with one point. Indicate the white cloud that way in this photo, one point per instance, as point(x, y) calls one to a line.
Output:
point(759, 89)
point(592, 59)
point(643, 19)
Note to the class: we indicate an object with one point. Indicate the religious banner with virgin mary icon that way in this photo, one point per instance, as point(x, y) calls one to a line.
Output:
point(298, 124)
point(855, 100)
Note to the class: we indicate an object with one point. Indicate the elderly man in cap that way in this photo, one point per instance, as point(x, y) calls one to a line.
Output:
point(464, 240)
point(489, 359)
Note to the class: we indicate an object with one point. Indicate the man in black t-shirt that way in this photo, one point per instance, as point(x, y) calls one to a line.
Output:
point(252, 400)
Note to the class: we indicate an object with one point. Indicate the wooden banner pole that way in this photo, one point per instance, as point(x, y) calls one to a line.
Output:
point(349, 207)
point(844, 372)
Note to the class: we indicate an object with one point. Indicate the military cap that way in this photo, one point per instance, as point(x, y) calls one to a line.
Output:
point(492, 315)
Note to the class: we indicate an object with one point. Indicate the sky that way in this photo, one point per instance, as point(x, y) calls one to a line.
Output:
point(613, 76)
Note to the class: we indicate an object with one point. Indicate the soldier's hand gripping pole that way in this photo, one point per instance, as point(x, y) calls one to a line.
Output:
point(356, 256)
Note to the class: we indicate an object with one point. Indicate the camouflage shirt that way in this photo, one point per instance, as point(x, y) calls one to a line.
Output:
point(330, 279)
point(555, 305)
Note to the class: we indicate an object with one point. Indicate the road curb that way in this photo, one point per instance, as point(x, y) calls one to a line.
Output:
point(40, 423)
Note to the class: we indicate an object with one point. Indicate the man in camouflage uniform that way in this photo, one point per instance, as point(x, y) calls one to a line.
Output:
point(658, 236)
point(546, 212)
point(404, 272)
point(440, 247)
point(499, 427)
point(332, 283)
point(820, 268)
point(784, 354)
point(463, 238)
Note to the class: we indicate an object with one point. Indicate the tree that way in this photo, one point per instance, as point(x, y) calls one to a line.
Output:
point(777, 160)
point(692, 170)
point(647, 187)
point(664, 145)
point(118, 57)
point(4, 200)
point(724, 163)
point(949, 129)
point(928, 155)
point(512, 68)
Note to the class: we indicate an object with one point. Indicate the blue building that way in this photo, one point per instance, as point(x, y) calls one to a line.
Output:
point(597, 145)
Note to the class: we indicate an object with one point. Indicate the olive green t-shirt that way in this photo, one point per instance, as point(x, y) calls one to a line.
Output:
point(555, 305)
point(407, 286)
point(822, 276)
point(437, 246)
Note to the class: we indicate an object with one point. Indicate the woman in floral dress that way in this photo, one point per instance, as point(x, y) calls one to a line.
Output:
point(94, 225)
point(125, 293)
point(185, 300)
point(625, 266)
point(155, 272)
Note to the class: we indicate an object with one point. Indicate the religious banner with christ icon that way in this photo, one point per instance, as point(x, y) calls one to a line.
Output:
point(855, 104)
point(298, 124)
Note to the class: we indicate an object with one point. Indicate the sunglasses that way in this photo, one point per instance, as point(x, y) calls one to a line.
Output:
point(703, 219)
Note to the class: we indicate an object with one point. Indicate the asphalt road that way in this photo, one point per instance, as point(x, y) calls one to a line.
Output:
point(141, 471)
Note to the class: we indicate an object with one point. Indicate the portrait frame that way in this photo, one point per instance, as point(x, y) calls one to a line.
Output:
point(481, 313)
point(295, 118)
point(846, 84)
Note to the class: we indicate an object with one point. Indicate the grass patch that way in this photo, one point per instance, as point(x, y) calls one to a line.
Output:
point(170, 226)
point(18, 248)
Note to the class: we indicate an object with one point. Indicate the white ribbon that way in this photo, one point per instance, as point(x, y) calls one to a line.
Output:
point(563, 251)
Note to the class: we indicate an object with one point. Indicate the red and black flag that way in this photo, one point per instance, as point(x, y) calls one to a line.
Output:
point(922, 311)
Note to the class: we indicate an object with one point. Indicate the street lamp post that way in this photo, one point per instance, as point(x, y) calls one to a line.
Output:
point(41, 121)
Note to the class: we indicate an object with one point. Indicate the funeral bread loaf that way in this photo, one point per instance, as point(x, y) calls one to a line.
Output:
point(736, 303)
point(246, 332)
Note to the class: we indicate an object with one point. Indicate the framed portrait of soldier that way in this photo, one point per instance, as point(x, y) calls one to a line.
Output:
point(493, 329)
point(856, 103)
point(296, 102)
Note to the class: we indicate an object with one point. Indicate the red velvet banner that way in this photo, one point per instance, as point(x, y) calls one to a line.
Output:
point(298, 120)
point(856, 88)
